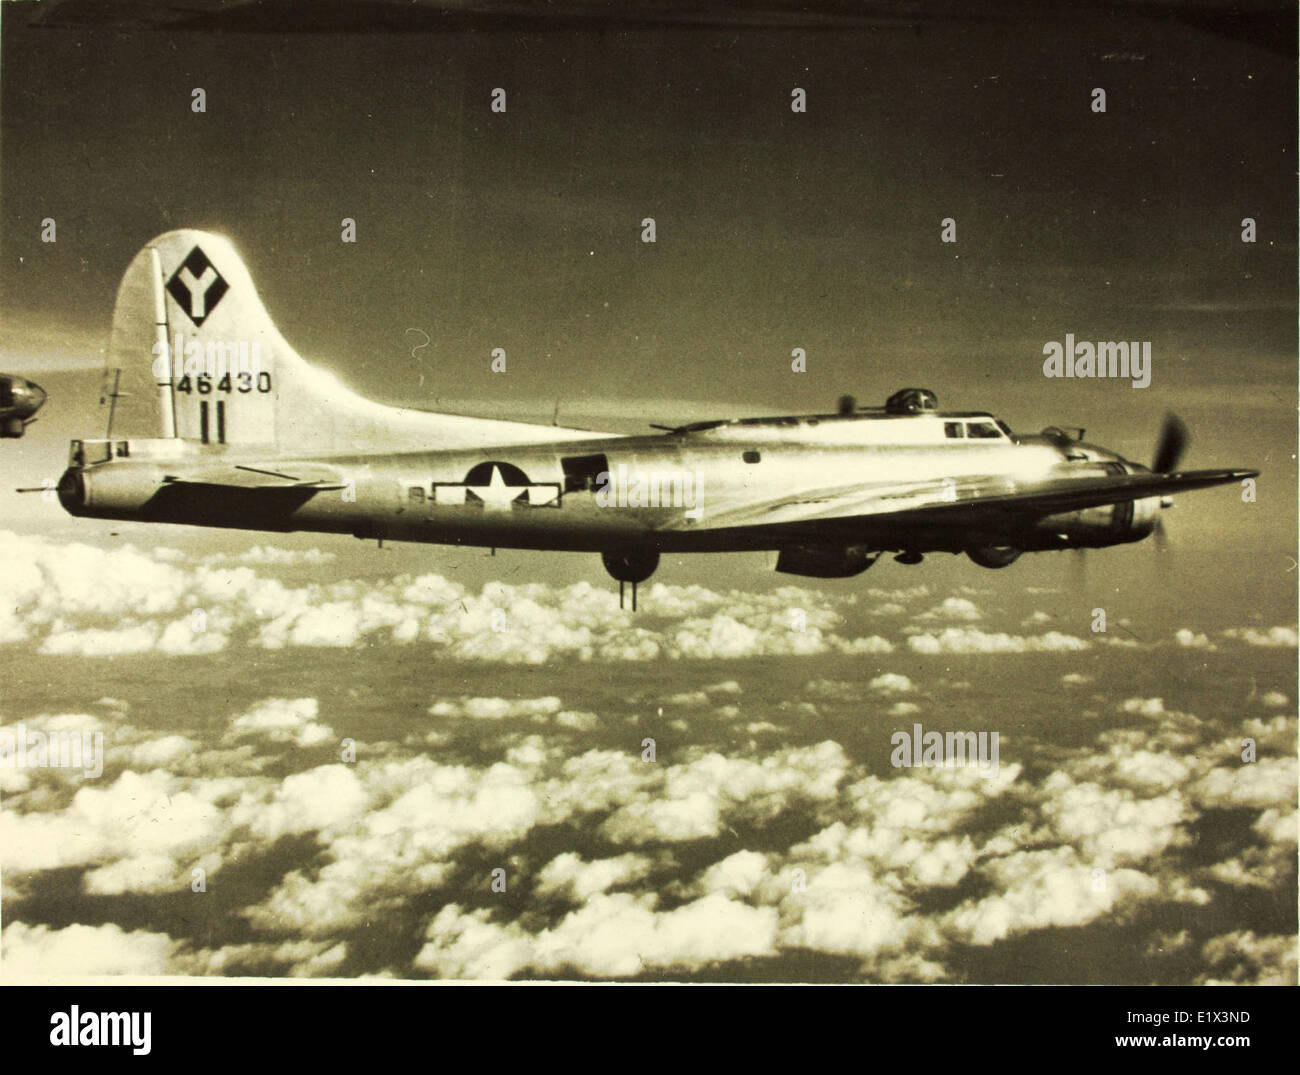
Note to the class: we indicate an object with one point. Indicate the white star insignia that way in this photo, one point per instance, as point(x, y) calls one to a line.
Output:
point(496, 494)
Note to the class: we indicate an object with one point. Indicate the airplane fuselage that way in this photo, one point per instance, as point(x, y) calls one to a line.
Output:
point(610, 492)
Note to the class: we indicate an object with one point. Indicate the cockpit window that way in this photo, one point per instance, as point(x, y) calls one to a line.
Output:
point(983, 430)
point(953, 429)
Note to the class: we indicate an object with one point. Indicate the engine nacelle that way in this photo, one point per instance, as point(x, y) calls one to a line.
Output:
point(825, 561)
point(1107, 524)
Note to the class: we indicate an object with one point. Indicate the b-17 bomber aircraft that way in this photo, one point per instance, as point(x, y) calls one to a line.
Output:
point(19, 402)
point(236, 430)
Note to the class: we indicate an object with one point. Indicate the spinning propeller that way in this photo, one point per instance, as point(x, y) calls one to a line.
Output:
point(1169, 451)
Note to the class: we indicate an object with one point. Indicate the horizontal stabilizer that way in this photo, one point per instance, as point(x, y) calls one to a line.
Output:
point(236, 476)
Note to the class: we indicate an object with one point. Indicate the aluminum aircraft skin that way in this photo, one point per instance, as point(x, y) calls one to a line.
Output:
point(20, 399)
point(233, 429)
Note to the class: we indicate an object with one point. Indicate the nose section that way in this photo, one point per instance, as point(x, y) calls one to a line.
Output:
point(29, 394)
point(72, 491)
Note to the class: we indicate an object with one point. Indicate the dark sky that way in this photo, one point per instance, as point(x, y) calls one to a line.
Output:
point(775, 230)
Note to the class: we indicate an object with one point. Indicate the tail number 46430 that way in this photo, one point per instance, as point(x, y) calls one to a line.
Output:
point(243, 382)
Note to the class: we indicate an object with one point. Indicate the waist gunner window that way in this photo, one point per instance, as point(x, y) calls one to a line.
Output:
point(582, 472)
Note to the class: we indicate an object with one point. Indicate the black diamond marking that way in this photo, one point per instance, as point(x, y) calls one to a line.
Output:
point(197, 263)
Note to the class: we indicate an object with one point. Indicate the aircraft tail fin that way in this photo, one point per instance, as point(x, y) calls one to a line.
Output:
point(195, 355)
point(216, 363)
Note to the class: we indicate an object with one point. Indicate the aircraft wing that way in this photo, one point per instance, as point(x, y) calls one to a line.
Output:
point(247, 476)
point(979, 500)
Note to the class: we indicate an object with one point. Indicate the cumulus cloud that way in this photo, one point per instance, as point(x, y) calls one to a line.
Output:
point(78, 600)
point(689, 699)
point(399, 838)
point(1269, 782)
point(616, 935)
point(497, 708)
point(88, 747)
point(719, 851)
point(1147, 707)
point(692, 801)
point(297, 959)
point(1278, 825)
point(319, 799)
point(190, 636)
point(1255, 868)
point(1114, 825)
point(962, 640)
point(849, 910)
point(1137, 768)
point(1190, 639)
point(1272, 637)
point(1040, 889)
point(1277, 733)
point(736, 875)
point(569, 876)
point(1243, 958)
point(284, 720)
point(158, 753)
point(37, 951)
point(268, 554)
point(136, 832)
point(953, 608)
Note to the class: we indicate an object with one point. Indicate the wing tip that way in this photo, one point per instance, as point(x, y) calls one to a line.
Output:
point(1216, 475)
